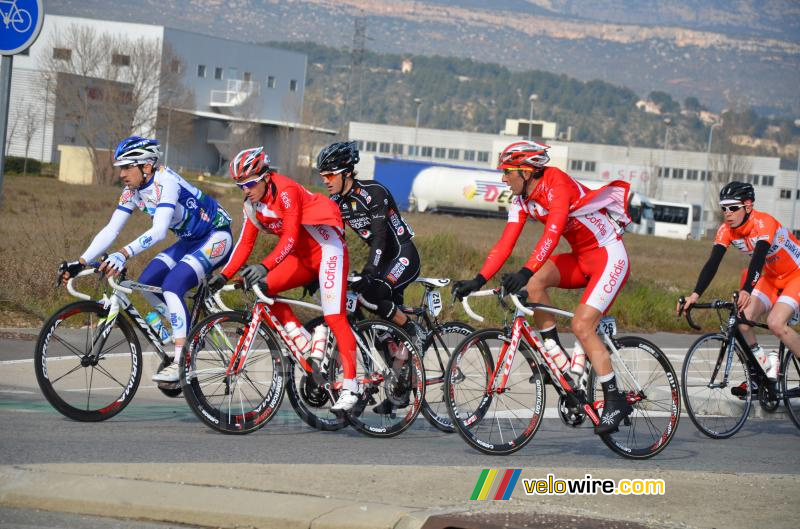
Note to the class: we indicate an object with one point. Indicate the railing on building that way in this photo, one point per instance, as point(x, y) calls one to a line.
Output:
point(237, 92)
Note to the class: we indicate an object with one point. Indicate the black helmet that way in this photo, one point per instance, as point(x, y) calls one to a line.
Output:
point(736, 192)
point(338, 157)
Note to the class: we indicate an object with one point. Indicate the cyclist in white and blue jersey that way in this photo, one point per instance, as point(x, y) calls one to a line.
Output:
point(201, 224)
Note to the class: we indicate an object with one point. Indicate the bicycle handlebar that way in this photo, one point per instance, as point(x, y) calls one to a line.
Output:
point(71, 289)
point(716, 304)
point(269, 301)
point(117, 286)
point(218, 296)
point(478, 293)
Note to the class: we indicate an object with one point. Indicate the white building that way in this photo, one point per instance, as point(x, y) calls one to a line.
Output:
point(234, 84)
point(682, 179)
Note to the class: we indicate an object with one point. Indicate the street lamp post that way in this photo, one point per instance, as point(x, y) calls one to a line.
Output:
point(667, 122)
point(706, 179)
point(169, 119)
point(531, 98)
point(418, 102)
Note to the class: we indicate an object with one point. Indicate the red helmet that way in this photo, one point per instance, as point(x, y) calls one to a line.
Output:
point(249, 164)
point(524, 155)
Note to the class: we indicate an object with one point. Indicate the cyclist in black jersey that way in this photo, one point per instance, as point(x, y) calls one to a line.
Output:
point(372, 213)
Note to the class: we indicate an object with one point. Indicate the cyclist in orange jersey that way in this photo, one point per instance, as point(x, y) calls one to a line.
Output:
point(772, 283)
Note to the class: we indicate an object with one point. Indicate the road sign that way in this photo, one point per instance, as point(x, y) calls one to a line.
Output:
point(20, 23)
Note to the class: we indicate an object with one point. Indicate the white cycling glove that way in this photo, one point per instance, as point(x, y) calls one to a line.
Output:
point(116, 261)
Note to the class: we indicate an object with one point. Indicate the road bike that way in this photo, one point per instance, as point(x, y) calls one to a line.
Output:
point(88, 359)
point(236, 367)
point(441, 339)
point(720, 375)
point(19, 19)
point(495, 389)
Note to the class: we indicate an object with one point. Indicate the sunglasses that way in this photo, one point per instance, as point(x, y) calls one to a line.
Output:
point(732, 209)
point(517, 171)
point(327, 177)
point(250, 183)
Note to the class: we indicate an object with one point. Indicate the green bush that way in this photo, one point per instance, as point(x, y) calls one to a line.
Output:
point(16, 164)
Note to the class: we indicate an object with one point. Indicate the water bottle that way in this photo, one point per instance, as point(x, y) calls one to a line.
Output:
point(155, 323)
point(774, 364)
point(556, 354)
point(319, 341)
point(398, 352)
point(761, 357)
point(578, 360)
point(299, 336)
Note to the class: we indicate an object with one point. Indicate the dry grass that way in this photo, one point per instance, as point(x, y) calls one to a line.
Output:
point(43, 221)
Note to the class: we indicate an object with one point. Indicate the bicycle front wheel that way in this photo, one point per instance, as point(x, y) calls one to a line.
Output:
point(438, 349)
point(393, 393)
point(493, 420)
point(790, 385)
point(86, 374)
point(713, 405)
point(647, 379)
point(234, 399)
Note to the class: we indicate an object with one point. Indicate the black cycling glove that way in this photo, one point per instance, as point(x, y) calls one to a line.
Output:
point(216, 282)
point(467, 286)
point(516, 281)
point(252, 274)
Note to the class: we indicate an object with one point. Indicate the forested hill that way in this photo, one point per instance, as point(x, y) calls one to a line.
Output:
point(462, 94)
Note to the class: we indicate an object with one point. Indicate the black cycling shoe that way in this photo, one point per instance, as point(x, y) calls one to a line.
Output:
point(545, 375)
point(741, 390)
point(387, 407)
point(614, 412)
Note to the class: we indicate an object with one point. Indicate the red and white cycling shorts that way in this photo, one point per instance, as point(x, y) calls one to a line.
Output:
point(770, 290)
point(603, 271)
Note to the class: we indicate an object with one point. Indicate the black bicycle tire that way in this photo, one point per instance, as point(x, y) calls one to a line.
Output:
point(441, 423)
point(790, 360)
point(465, 427)
point(197, 401)
point(687, 400)
point(617, 446)
point(51, 394)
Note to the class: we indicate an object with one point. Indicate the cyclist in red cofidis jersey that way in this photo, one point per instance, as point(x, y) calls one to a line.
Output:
point(311, 247)
point(592, 222)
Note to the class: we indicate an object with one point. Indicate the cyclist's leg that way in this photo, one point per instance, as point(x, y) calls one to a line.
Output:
point(333, 265)
point(762, 299)
point(549, 275)
point(153, 275)
point(778, 319)
point(294, 271)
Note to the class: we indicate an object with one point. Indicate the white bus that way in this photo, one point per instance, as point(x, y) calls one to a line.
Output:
point(673, 219)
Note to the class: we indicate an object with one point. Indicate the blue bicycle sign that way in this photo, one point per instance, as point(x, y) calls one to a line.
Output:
point(20, 23)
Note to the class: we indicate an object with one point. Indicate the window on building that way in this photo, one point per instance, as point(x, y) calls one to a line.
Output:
point(797, 195)
point(397, 148)
point(452, 154)
point(576, 165)
point(589, 167)
point(469, 156)
point(360, 144)
point(247, 77)
point(691, 174)
point(663, 172)
point(767, 180)
point(483, 156)
point(439, 152)
point(201, 70)
point(270, 81)
point(786, 193)
point(755, 179)
point(218, 73)
point(384, 147)
point(118, 59)
point(62, 54)
point(427, 152)
point(371, 146)
point(293, 85)
point(677, 174)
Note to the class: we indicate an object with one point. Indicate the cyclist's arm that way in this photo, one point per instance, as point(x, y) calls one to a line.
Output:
point(106, 236)
point(503, 247)
point(553, 228)
point(710, 268)
point(242, 249)
point(756, 265)
point(170, 191)
point(290, 206)
point(378, 216)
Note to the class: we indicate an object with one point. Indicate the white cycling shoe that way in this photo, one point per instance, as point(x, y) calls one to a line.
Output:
point(170, 373)
point(346, 401)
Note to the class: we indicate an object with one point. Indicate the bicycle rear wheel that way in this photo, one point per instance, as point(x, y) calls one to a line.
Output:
point(239, 402)
point(713, 409)
point(646, 377)
point(80, 385)
point(790, 385)
point(401, 389)
point(439, 348)
point(491, 422)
